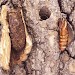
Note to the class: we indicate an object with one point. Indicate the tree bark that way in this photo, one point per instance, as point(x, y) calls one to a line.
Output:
point(41, 18)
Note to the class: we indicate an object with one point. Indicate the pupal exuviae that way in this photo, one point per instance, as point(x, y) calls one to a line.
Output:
point(66, 34)
point(20, 43)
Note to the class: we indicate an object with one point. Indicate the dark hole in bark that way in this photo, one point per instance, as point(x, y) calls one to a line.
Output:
point(44, 13)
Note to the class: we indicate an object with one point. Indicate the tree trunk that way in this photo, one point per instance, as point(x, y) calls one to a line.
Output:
point(41, 17)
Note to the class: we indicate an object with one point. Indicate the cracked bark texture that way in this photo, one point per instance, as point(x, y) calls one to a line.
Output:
point(45, 57)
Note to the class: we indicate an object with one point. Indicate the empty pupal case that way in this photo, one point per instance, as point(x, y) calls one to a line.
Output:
point(5, 44)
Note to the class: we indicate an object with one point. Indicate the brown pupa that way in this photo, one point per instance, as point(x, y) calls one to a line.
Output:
point(66, 34)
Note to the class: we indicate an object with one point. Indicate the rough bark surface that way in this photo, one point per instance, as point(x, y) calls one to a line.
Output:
point(45, 57)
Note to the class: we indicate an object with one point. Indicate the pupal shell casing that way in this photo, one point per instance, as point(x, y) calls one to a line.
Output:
point(63, 33)
point(16, 20)
point(5, 43)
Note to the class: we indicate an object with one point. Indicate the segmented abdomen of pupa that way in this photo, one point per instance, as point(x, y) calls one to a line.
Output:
point(63, 33)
